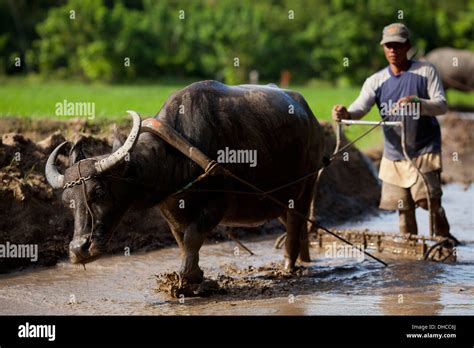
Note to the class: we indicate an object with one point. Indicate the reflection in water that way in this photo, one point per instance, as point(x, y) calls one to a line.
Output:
point(414, 292)
point(406, 303)
point(428, 288)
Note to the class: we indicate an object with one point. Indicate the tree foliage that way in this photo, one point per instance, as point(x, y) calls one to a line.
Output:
point(223, 39)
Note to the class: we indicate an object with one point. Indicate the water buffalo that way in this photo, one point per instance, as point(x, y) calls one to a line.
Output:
point(144, 171)
point(456, 67)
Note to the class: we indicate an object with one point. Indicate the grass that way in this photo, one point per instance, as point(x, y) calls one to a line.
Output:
point(26, 97)
point(38, 99)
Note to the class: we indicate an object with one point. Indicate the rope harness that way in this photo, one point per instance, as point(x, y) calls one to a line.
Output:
point(81, 181)
point(77, 182)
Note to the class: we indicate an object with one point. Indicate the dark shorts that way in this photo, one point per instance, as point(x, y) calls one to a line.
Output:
point(400, 198)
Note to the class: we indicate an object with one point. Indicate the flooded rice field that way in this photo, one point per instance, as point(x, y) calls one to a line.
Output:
point(255, 285)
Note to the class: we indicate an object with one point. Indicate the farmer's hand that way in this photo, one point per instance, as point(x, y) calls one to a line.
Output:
point(339, 112)
point(408, 99)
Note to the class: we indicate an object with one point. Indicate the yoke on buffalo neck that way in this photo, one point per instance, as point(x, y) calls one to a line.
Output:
point(177, 141)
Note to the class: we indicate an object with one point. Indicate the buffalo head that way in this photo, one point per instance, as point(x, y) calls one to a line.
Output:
point(91, 189)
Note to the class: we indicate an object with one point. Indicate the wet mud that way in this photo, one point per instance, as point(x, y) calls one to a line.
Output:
point(146, 283)
point(241, 284)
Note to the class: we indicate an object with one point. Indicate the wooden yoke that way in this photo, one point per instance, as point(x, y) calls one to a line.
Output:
point(172, 137)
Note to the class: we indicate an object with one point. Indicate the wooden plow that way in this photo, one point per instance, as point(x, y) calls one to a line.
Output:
point(407, 246)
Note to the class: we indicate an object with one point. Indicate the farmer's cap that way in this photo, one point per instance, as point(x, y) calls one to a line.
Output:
point(395, 32)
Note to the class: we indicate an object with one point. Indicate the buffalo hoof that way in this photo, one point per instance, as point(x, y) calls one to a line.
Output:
point(290, 266)
point(304, 258)
point(173, 285)
point(190, 278)
point(304, 255)
point(206, 288)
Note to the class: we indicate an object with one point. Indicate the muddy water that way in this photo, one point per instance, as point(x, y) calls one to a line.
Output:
point(126, 284)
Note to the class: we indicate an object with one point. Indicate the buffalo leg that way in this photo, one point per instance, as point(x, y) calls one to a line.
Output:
point(194, 235)
point(309, 210)
point(292, 244)
point(179, 237)
point(304, 244)
point(304, 247)
point(192, 242)
point(296, 231)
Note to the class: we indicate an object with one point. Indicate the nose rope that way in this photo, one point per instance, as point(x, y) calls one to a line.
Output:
point(86, 202)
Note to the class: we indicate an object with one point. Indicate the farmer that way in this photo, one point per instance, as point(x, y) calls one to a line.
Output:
point(412, 90)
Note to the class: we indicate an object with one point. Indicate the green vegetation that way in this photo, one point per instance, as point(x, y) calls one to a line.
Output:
point(91, 39)
point(38, 99)
point(118, 53)
point(31, 98)
point(21, 98)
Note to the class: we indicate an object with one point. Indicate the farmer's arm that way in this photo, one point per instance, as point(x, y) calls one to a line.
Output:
point(436, 103)
point(360, 107)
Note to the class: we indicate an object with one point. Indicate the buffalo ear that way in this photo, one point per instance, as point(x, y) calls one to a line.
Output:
point(119, 139)
point(76, 154)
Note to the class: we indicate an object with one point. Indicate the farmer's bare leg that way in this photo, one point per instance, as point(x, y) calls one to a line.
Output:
point(399, 198)
point(440, 220)
point(441, 224)
point(407, 221)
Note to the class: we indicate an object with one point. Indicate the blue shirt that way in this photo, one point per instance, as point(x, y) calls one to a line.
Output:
point(384, 89)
